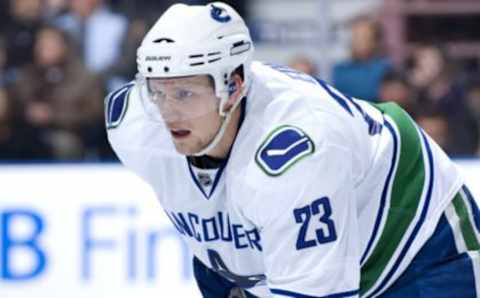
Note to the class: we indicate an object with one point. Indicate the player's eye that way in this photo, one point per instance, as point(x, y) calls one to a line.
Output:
point(157, 96)
point(184, 94)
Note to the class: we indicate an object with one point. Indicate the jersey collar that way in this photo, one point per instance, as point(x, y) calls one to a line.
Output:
point(223, 164)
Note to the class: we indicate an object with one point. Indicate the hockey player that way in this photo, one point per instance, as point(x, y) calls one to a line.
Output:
point(281, 185)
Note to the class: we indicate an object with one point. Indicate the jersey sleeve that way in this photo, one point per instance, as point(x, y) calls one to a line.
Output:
point(129, 133)
point(308, 223)
point(123, 124)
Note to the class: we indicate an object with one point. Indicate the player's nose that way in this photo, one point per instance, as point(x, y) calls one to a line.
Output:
point(170, 110)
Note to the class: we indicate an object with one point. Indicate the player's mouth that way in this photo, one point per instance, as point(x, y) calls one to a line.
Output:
point(179, 133)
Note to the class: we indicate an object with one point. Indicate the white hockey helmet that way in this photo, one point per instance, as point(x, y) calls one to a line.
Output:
point(197, 40)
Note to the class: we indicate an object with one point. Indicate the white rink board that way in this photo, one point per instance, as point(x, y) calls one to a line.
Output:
point(95, 231)
point(104, 235)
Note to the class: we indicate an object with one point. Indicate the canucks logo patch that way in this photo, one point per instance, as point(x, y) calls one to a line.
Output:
point(283, 147)
point(116, 105)
point(219, 14)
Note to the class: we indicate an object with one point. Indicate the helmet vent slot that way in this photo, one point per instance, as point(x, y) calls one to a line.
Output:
point(213, 60)
point(240, 47)
point(214, 53)
point(238, 43)
point(196, 56)
point(197, 63)
point(164, 39)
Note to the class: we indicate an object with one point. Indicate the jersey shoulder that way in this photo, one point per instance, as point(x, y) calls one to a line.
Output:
point(134, 138)
point(293, 136)
point(291, 119)
point(285, 159)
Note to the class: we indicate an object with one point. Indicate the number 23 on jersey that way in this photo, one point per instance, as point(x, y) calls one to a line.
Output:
point(317, 216)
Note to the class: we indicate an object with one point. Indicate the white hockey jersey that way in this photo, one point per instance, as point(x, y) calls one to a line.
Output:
point(321, 194)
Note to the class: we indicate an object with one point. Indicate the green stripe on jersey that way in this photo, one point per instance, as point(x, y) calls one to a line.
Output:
point(466, 226)
point(405, 196)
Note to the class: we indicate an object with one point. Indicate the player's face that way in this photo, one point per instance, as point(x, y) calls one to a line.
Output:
point(189, 108)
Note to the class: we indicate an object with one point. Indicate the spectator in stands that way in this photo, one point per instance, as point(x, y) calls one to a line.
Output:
point(97, 31)
point(303, 64)
point(395, 87)
point(4, 15)
point(18, 141)
point(361, 75)
point(146, 10)
point(3, 59)
point(439, 85)
point(61, 96)
point(7, 75)
point(126, 68)
point(473, 99)
point(436, 124)
point(55, 8)
point(25, 18)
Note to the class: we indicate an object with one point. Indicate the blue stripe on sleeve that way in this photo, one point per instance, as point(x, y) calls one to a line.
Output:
point(298, 295)
point(383, 199)
point(473, 206)
point(335, 96)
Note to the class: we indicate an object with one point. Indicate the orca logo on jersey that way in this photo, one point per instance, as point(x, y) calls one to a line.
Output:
point(243, 281)
point(283, 147)
point(219, 14)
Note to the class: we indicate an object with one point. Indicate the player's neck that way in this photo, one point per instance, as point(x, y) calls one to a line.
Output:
point(223, 147)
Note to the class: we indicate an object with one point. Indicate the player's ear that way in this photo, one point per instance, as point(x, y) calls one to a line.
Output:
point(235, 87)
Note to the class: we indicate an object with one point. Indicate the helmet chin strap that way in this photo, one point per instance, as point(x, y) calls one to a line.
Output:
point(221, 131)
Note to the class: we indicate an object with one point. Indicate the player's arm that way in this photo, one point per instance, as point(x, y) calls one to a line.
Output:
point(308, 220)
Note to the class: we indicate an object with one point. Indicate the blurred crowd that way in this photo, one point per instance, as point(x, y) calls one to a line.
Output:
point(59, 58)
point(442, 98)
